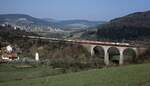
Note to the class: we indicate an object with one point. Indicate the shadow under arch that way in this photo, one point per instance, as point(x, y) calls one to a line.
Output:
point(129, 55)
point(114, 55)
point(99, 54)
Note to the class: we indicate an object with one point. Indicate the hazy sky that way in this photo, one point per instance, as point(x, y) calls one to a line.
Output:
point(74, 9)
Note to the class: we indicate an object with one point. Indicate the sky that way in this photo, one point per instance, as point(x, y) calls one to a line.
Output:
point(103, 10)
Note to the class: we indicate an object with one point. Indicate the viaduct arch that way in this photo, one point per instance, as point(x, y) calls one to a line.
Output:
point(121, 52)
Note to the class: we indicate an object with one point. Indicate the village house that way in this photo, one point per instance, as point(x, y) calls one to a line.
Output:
point(8, 53)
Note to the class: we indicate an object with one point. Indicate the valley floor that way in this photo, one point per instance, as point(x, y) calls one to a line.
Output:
point(132, 75)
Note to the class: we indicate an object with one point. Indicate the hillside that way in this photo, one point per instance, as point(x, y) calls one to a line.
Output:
point(133, 75)
point(30, 23)
point(79, 24)
point(134, 26)
point(65, 53)
point(27, 22)
point(11, 34)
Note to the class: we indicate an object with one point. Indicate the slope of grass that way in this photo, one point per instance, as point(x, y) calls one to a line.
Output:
point(11, 72)
point(134, 75)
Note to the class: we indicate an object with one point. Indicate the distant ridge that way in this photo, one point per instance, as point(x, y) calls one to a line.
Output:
point(77, 23)
point(134, 26)
point(25, 21)
point(31, 23)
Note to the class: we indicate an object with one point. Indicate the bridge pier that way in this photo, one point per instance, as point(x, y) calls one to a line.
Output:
point(92, 50)
point(106, 55)
point(121, 59)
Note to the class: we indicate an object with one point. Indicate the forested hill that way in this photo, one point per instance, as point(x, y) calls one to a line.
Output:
point(134, 26)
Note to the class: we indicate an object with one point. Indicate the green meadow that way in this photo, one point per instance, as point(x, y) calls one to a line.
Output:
point(132, 75)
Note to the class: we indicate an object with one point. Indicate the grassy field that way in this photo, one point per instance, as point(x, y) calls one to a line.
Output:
point(11, 72)
point(133, 75)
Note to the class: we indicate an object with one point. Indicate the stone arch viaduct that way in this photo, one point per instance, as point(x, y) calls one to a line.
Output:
point(120, 47)
point(105, 46)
